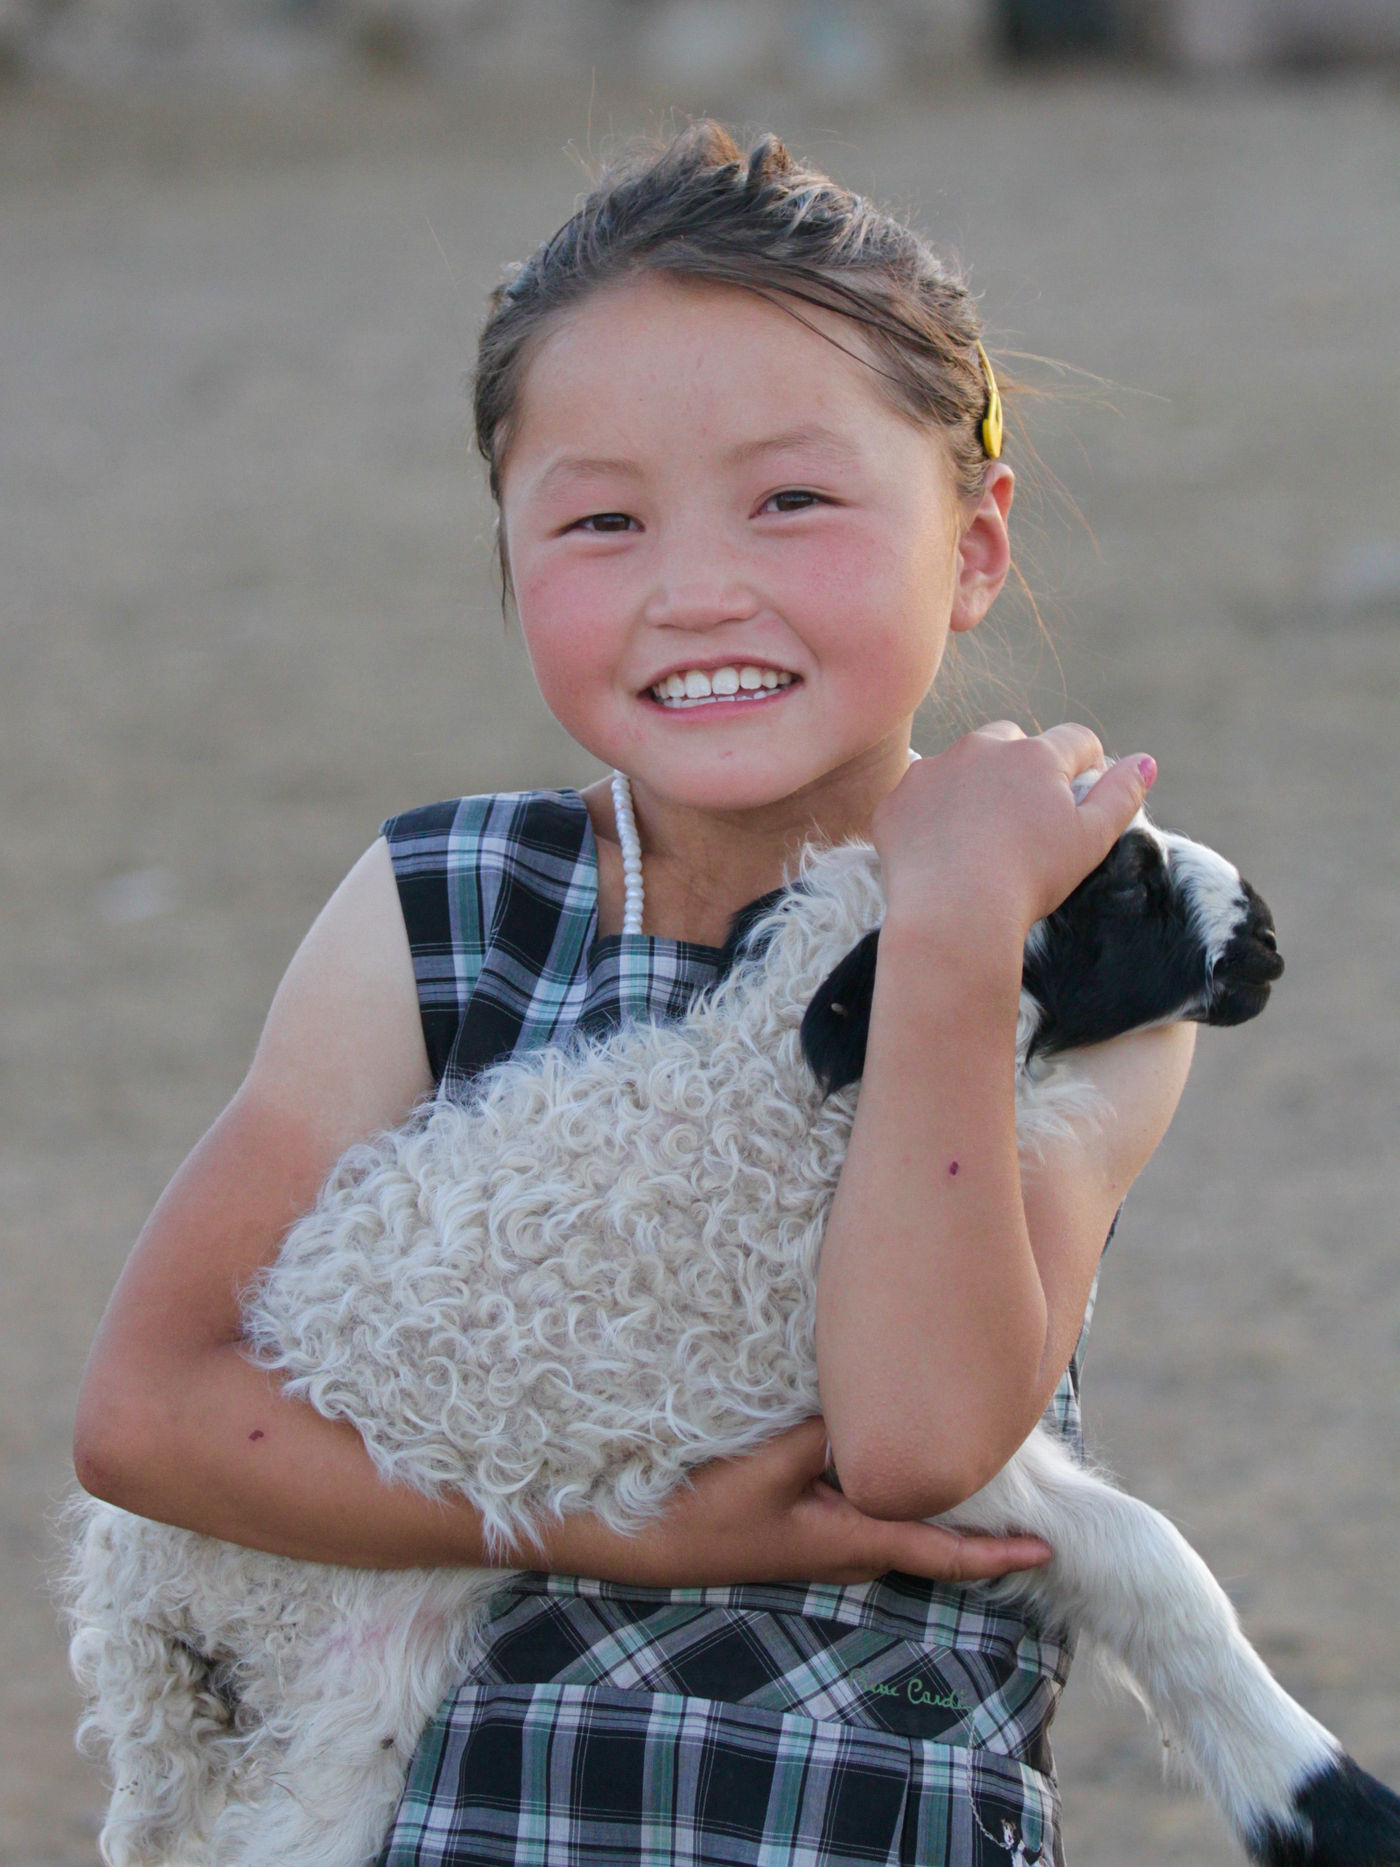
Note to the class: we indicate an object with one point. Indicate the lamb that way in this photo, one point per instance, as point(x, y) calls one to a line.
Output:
point(598, 1273)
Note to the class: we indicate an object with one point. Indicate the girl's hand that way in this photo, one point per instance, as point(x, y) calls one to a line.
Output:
point(772, 1517)
point(988, 837)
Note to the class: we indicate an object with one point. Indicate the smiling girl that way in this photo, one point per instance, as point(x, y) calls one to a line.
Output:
point(745, 446)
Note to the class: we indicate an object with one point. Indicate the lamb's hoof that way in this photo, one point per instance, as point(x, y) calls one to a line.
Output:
point(1247, 967)
point(1345, 1818)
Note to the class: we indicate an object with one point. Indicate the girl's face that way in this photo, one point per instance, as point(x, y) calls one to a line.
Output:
point(703, 493)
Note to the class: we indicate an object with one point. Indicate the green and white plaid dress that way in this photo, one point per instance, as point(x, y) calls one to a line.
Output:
point(776, 1725)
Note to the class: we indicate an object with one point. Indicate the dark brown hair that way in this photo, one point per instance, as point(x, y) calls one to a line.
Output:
point(699, 209)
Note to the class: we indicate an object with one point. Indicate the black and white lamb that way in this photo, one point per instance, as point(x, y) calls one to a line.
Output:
point(596, 1274)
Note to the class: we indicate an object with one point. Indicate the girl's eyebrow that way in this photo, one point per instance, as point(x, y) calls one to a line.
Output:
point(814, 439)
point(581, 466)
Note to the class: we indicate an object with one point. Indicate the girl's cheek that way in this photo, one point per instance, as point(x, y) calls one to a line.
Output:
point(568, 658)
point(882, 607)
point(874, 568)
point(573, 648)
point(554, 614)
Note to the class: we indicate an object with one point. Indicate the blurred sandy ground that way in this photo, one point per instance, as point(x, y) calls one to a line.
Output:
point(248, 610)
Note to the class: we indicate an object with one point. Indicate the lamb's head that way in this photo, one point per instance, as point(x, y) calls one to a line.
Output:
point(1163, 930)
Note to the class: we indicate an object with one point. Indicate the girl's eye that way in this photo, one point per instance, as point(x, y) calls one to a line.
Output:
point(794, 499)
point(604, 524)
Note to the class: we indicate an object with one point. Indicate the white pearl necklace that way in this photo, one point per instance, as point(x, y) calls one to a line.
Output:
point(633, 891)
point(634, 894)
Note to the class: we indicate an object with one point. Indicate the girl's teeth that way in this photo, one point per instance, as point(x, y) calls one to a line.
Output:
point(695, 685)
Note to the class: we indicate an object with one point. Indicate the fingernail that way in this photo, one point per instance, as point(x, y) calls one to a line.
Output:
point(1147, 770)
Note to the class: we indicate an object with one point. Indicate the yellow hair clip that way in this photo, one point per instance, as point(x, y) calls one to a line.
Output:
point(992, 425)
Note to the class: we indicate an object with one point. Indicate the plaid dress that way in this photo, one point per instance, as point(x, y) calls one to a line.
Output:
point(774, 1725)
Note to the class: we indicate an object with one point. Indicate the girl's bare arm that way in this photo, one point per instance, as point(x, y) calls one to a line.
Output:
point(951, 1291)
point(174, 1423)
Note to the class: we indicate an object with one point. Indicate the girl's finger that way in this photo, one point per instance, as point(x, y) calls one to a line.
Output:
point(953, 1556)
point(1117, 797)
point(1077, 747)
point(1001, 729)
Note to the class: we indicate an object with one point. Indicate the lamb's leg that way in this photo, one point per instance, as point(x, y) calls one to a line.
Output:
point(347, 1720)
point(1126, 1578)
point(170, 1754)
point(153, 1707)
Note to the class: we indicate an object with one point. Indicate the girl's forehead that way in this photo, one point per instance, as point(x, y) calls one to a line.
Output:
point(659, 350)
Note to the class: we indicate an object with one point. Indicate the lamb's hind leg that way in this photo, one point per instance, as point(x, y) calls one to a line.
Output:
point(154, 1709)
point(170, 1758)
point(345, 1720)
point(1126, 1578)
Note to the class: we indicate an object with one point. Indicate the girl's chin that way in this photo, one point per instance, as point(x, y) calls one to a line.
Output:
point(727, 779)
point(735, 782)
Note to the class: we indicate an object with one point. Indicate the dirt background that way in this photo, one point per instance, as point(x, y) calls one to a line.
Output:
point(248, 611)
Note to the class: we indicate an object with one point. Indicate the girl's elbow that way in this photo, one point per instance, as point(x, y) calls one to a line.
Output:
point(905, 1484)
point(115, 1448)
point(98, 1471)
point(902, 1497)
point(905, 1477)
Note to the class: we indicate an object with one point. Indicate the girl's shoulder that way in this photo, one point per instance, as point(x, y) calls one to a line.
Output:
point(489, 811)
point(459, 861)
point(490, 838)
point(342, 1037)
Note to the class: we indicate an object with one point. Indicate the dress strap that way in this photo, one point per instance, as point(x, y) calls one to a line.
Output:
point(500, 903)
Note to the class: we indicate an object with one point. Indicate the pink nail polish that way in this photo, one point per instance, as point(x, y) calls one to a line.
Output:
point(1147, 770)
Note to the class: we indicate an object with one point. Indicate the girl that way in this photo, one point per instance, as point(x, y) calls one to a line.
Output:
point(744, 441)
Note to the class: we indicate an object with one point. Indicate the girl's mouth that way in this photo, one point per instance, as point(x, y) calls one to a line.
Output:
point(698, 687)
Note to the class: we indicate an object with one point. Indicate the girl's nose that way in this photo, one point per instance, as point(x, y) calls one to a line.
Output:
point(695, 588)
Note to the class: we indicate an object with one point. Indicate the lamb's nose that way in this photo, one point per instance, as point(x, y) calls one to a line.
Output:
point(1255, 945)
point(1249, 965)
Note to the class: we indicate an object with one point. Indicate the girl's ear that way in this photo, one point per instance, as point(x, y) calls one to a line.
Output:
point(984, 550)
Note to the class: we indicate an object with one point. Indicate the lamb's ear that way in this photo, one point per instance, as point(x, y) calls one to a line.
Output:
point(837, 1022)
